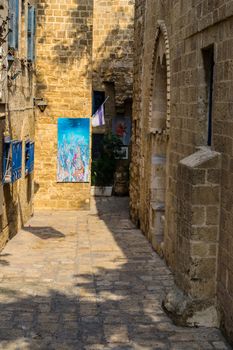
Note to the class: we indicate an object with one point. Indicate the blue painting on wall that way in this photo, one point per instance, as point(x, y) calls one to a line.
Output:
point(73, 150)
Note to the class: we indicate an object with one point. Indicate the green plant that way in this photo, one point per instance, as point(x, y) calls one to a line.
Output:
point(103, 168)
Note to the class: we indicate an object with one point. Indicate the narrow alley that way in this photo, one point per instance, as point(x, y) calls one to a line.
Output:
point(89, 280)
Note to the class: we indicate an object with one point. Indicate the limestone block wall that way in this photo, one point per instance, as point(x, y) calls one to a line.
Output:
point(136, 166)
point(144, 88)
point(17, 121)
point(192, 27)
point(64, 80)
point(198, 213)
point(113, 31)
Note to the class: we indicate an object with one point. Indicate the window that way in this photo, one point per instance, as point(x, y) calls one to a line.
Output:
point(7, 162)
point(12, 161)
point(31, 33)
point(98, 99)
point(208, 60)
point(13, 37)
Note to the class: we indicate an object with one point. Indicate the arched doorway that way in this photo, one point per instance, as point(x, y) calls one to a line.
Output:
point(158, 142)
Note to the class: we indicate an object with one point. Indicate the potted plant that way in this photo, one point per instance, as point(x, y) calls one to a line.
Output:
point(103, 168)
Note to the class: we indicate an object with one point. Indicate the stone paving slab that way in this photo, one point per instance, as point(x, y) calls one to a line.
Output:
point(89, 280)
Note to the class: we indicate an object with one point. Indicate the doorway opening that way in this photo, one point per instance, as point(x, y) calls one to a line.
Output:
point(158, 150)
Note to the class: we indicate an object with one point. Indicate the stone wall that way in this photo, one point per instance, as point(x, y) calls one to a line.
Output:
point(113, 30)
point(64, 73)
point(194, 29)
point(136, 165)
point(198, 209)
point(113, 34)
point(17, 121)
point(81, 46)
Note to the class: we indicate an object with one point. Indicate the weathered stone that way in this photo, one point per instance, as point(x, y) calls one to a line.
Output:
point(195, 35)
point(184, 310)
point(17, 122)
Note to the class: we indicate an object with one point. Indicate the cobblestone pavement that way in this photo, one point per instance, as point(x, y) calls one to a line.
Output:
point(89, 280)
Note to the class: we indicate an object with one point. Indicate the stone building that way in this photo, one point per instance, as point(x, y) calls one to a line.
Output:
point(84, 53)
point(181, 173)
point(113, 33)
point(16, 115)
point(57, 54)
point(64, 66)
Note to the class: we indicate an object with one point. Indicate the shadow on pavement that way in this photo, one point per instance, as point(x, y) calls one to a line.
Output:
point(105, 292)
point(44, 232)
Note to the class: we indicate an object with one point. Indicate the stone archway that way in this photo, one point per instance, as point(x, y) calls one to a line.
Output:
point(159, 122)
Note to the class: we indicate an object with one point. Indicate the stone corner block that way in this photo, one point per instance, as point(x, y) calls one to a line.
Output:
point(186, 312)
point(203, 158)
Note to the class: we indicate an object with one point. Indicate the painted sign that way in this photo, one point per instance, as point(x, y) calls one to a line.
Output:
point(73, 156)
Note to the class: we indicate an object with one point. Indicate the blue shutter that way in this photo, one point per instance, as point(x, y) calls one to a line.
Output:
point(11, 24)
point(13, 37)
point(31, 32)
point(34, 34)
point(16, 24)
point(32, 151)
point(16, 160)
point(27, 157)
point(12, 161)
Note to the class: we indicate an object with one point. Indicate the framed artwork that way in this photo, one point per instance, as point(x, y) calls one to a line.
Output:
point(73, 154)
point(123, 153)
point(121, 127)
